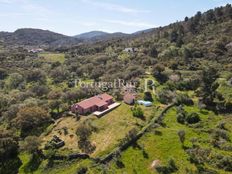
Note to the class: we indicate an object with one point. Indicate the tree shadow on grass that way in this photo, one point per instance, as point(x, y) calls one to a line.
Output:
point(120, 164)
point(135, 145)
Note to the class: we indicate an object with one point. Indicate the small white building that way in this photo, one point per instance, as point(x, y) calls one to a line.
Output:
point(130, 50)
point(38, 50)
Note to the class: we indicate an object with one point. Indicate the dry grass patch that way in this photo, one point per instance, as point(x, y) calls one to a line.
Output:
point(65, 128)
point(110, 128)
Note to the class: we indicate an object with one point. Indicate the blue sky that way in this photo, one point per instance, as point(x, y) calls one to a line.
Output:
point(72, 17)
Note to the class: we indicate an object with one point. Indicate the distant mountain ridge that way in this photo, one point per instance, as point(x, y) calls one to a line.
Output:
point(91, 34)
point(100, 35)
point(39, 37)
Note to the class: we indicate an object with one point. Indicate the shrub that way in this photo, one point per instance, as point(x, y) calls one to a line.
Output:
point(166, 96)
point(181, 134)
point(3, 74)
point(184, 99)
point(181, 118)
point(220, 133)
point(82, 170)
point(14, 81)
point(221, 125)
point(189, 84)
point(225, 163)
point(137, 112)
point(198, 155)
point(158, 73)
point(148, 96)
point(193, 118)
point(83, 132)
point(170, 168)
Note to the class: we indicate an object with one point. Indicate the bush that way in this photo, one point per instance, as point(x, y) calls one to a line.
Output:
point(3, 74)
point(148, 96)
point(220, 133)
point(83, 132)
point(82, 170)
point(158, 73)
point(184, 99)
point(225, 163)
point(170, 168)
point(137, 112)
point(181, 134)
point(181, 118)
point(184, 117)
point(166, 96)
point(193, 118)
point(189, 84)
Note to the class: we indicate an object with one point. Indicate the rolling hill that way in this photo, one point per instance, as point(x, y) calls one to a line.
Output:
point(100, 35)
point(39, 37)
point(36, 37)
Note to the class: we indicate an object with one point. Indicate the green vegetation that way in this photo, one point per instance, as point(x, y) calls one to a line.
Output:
point(188, 64)
point(53, 57)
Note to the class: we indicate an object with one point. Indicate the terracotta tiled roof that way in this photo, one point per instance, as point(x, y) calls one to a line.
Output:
point(85, 104)
point(129, 98)
point(99, 100)
point(105, 97)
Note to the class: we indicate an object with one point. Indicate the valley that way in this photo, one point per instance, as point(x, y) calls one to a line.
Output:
point(176, 117)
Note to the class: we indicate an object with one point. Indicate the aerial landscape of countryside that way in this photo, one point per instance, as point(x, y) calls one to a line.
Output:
point(139, 99)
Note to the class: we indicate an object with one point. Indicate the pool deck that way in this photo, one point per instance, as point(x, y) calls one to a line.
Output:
point(110, 108)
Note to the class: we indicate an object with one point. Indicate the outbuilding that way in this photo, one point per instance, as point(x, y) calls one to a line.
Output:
point(129, 98)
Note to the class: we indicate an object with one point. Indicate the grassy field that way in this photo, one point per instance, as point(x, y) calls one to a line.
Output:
point(53, 57)
point(167, 145)
point(114, 126)
point(110, 129)
point(152, 146)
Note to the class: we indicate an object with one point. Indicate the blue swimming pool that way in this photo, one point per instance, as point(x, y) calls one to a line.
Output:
point(145, 103)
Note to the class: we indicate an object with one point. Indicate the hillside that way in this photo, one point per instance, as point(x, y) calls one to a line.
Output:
point(205, 35)
point(100, 36)
point(91, 34)
point(176, 117)
point(36, 37)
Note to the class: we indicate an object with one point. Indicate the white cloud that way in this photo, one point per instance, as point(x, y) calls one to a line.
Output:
point(130, 24)
point(115, 7)
point(6, 1)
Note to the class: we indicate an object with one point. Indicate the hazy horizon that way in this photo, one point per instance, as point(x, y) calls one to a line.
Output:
point(81, 16)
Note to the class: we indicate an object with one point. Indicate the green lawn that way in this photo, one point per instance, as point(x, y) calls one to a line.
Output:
point(166, 146)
